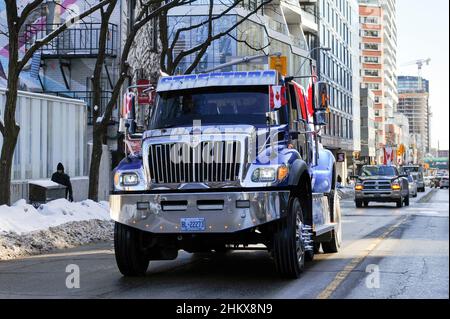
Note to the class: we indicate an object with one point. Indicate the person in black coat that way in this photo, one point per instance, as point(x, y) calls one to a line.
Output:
point(61, 178)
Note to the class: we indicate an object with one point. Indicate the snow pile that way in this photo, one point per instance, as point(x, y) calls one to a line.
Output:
point(69, 235)
point(25, 230)
point(22, 217)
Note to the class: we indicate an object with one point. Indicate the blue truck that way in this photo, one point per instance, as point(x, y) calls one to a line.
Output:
point(228, 160)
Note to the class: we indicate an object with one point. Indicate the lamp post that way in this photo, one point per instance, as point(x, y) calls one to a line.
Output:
point(308, 57)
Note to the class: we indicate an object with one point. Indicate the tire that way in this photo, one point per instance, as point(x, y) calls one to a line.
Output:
point(407, 201)
point(316, 248)
point(359, 204)
point(366, 204)
point(333, 246)
point(288, 246)
point(400, 203)
point(130, 259)
point(415, 195)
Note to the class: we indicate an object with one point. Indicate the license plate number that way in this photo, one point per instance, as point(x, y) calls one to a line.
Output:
point(192, 224)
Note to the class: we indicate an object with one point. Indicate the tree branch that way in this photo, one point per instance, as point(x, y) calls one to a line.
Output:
point(127, 47)
point(209, 40)
point(30, 7)
point(2, 128)
point(248, 44)
point(198, 25)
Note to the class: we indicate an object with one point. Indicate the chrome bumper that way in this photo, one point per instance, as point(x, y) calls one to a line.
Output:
point(218, 209)
point(378, 195)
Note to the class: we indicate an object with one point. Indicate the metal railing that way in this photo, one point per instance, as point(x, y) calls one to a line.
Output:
point(87, 97)
point(79, 40)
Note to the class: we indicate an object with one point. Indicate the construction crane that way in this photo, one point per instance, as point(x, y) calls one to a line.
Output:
point(420, 63)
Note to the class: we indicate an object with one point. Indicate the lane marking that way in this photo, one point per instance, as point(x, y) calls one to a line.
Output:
point(71, 254)
point(342, 275)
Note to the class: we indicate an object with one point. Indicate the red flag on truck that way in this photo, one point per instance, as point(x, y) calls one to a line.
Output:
point(277, 95)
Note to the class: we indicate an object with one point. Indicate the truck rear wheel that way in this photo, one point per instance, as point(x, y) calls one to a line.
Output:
point(288, 245)
point(333, 246)
point(130, 259)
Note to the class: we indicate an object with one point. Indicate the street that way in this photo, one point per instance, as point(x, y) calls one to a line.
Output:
point(387, 253)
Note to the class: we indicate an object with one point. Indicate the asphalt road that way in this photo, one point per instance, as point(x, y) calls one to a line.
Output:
point(387, 253)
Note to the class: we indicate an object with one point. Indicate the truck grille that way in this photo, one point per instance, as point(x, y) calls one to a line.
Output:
point(377, 185)
point(207, 162)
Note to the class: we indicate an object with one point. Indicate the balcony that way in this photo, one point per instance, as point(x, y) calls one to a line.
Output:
point(79, 41)
point(87, 96)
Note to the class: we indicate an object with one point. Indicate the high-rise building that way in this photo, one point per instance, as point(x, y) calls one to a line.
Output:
point(379, 61)
point(413, 102)
point(337, 56)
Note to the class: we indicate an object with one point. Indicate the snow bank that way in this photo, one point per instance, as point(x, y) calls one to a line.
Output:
point(25, 230)
point(69, 235)
point(22, 218)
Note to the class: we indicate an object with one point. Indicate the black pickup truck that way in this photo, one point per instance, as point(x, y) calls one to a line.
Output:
point(381, 184)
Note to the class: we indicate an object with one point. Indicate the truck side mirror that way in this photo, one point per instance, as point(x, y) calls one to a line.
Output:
point(322, 107)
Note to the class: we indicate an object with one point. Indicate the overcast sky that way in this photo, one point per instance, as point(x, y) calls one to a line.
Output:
point(423, 32)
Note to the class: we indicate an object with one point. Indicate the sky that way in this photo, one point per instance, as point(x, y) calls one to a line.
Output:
point(423, 32)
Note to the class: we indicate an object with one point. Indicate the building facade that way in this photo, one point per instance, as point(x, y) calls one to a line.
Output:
point(338, 65)
point(414, 104)
point(368, 131)
point(64, 66)
point(379, 62)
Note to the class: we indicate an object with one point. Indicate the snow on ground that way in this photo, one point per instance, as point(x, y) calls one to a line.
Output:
point(25, 230)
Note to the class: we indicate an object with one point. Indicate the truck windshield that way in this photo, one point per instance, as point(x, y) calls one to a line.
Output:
point(214, 105)
point(378, 171)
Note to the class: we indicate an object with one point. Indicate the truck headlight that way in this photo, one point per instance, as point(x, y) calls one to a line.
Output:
point(270, 174)
point(359, 187)
point(396, 187)
point(129, 179)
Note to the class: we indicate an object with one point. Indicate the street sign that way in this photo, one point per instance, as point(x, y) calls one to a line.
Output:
point(279, 63)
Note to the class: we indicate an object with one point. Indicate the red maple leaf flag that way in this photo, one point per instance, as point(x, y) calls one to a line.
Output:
point(277, 95)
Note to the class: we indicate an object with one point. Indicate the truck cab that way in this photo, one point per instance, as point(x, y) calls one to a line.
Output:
point(229, 160)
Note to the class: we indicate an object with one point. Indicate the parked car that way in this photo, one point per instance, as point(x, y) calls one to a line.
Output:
point(412, 186)
point(444, 182)
point(417, 172)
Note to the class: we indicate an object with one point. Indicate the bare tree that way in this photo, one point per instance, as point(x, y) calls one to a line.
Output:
point(8, 127)
point(171, 60)
point(148, 10)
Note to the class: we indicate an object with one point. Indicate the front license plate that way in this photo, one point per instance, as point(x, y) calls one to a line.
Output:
point(192, 224)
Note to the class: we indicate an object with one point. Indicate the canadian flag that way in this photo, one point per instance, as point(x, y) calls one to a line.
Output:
point(388, 156)
point(277, 96)
point(311, 93)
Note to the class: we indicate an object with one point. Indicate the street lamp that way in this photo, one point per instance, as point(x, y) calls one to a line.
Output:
point(308, 57)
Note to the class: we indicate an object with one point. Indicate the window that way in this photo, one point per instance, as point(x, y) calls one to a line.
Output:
point(371, 46)
point(371, 72)
point(371, 33)
point(371, 59)
point(369, 20)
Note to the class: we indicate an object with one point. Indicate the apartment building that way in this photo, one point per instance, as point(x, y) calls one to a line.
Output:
point(379, 61)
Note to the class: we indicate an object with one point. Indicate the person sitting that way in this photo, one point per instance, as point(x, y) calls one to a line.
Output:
point(63, 179)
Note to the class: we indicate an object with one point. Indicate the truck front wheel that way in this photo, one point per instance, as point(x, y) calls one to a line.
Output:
point(288, 242)
point(130, 258)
